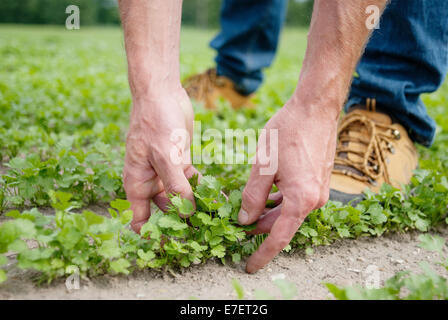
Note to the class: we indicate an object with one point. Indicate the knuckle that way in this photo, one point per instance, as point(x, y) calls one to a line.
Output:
point(176, 188)
point(130, 184)
point(127, 180)
point(133, 192)
point(135, 149)
point(321, 203)
point(249, 198)
point(323, 199)
point(137, 225)
point(190, 171)
point(311, 197)
point(281, 244)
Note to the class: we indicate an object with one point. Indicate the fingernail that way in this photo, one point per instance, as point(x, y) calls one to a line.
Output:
point(250, 269)
point(243, 217)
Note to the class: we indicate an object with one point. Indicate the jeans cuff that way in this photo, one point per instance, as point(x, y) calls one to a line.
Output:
point(352, 101)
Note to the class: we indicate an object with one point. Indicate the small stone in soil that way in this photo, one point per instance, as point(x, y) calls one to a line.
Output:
point(397, 261)
point(354, 270)
point(278, 276)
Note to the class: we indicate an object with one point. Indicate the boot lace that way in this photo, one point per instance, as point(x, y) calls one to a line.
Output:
point(377, 144)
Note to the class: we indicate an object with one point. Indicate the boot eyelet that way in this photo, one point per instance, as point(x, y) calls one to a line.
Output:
point(391, 148)
point(396, 134)
point(373, 182)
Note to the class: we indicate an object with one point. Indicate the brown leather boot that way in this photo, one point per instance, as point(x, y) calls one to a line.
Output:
point(208, 87)
point(371, 150)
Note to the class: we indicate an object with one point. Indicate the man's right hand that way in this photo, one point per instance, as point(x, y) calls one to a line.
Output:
point(157, 161)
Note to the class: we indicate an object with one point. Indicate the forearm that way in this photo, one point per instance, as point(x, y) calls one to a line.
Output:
point(336, 40)
point(152, 36)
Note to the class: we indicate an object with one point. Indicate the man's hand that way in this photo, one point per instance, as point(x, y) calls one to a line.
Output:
point(157, 159)
point(307, 127)
point(158, 143)
point(306, 146)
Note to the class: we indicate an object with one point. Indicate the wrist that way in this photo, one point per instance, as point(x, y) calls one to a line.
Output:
point(320, 94)
point(149, 86)
point(152, 108)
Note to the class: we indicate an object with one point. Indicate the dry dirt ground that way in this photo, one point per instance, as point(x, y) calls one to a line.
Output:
point(344, 262)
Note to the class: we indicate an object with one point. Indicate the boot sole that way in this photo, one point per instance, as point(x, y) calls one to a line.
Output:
point(346, 198)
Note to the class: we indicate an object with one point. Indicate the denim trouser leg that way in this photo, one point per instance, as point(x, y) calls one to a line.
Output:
point(248, 40)
point(406, 56)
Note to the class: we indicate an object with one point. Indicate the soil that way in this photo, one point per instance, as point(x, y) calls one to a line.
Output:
point(344, 262)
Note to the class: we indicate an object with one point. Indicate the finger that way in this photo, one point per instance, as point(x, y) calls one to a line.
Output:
point(266, 221)
point(277, 197)
point(281, 234)
point(174, 180)
point(141, 212)
point(139, 184)
point(190, 171)
point(161, 200)
point(254, 196)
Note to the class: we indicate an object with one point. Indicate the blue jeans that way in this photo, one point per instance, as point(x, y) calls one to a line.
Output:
point(248, 40)
point(405, 57)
